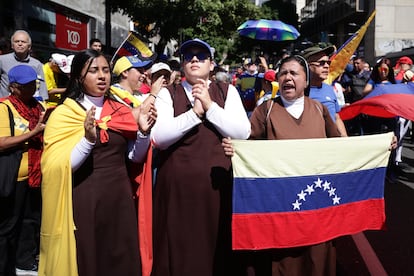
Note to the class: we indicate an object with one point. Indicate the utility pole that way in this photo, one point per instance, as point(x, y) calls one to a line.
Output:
point(108, 38)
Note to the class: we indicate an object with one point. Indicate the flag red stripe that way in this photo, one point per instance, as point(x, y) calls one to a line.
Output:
point(386, 105)
point(301, 228)
point(123, 52)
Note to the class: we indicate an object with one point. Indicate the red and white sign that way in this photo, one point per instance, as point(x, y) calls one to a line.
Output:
point(71, 33)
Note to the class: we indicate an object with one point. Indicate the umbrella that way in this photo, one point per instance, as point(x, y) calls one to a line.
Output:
point(384, 101)
point(271, 30)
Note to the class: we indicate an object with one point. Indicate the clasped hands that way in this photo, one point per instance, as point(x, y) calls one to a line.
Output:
point(202, 100)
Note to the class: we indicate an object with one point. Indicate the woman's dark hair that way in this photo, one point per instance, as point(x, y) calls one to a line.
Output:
point(375, 75)
point(302, 61)
point(75, 89)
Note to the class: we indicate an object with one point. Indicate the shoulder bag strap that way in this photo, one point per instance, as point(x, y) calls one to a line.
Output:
point(11, 120)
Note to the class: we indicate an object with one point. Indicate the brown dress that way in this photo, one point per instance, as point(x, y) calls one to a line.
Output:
point(105, 213)
point(192, 204)
point(315, 122)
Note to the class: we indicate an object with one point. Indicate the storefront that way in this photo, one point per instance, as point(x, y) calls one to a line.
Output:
point(56, 27)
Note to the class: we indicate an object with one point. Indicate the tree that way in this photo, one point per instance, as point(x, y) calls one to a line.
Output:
point(214, 21)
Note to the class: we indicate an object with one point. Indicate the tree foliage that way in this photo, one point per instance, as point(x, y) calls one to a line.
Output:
point(214, 21)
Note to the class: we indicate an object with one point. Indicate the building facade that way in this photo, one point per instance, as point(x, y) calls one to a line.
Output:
point(335, 21)
point(63, 25)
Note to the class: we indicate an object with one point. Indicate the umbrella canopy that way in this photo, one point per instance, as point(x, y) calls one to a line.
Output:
point(271, 30)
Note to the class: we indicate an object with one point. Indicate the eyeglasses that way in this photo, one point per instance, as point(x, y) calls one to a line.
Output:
point(321, 62)
point(200, 56)
point(139, 69)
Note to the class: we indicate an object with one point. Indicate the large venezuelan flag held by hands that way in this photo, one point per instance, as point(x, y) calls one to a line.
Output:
point(290, 193)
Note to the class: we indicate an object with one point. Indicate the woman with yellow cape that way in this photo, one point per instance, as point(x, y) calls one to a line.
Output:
point(89, 189)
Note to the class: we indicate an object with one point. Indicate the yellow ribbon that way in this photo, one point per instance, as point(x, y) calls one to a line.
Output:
point(102, 123)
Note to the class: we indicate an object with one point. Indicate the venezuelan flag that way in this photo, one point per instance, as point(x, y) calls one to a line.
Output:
point(133, 45)
point(289, 193)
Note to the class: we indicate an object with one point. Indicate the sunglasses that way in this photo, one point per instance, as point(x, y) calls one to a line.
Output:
point(383, 69)
point(200, 56)
point(321, 62)
point(139, 69)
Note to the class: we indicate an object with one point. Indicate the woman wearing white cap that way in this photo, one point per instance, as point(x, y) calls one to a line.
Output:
point(161, 69)
point(56, 66)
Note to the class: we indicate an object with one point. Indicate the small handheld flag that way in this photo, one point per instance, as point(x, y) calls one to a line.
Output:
point(134, 45)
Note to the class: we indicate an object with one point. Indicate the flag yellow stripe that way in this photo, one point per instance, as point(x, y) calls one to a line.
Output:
point(137, 43)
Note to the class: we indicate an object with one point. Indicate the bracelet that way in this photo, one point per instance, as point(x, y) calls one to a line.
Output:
point(201, 117)
point(153, 95)
point(145, 133)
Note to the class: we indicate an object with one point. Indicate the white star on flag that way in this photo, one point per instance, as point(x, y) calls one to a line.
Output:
point(326, 185)
point(318, 183)
point(296, 205)
point(309, 189)
point(302, 195)
point(335, 200)
point(332, 191)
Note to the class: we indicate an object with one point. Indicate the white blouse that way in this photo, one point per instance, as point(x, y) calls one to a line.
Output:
point(230, 121)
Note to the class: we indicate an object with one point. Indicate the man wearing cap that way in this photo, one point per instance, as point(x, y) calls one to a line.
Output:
point(57, 68)
point(318, 59)
point(21, 211)
point(130, 71)
point(21, 43)
point(269, 84)
point(192, 197)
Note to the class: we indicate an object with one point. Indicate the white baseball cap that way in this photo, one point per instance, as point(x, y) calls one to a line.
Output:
point(62, 61)
point(160, 66)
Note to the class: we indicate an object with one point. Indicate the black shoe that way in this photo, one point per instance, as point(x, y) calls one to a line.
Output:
point(26, 271)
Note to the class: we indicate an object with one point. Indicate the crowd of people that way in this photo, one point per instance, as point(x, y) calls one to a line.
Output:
point(89, 200)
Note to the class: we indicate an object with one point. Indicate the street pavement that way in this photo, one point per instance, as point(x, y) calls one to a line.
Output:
point(388, 252)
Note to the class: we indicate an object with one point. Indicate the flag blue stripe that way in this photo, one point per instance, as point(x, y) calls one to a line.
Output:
point(130, 48)
point(287, 194)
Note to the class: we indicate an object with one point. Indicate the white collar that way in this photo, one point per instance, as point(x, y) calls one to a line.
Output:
point(89, 101)
point(294, 107)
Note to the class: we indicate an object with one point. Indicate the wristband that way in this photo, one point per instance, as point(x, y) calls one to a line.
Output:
point(153, 95)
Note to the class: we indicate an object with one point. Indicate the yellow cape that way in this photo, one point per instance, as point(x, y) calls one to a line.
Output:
point(64, 130)
point(124, 96)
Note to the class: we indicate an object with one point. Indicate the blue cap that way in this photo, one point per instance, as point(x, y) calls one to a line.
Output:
point(196, 43)
point(22, 74)
point(126, 62)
